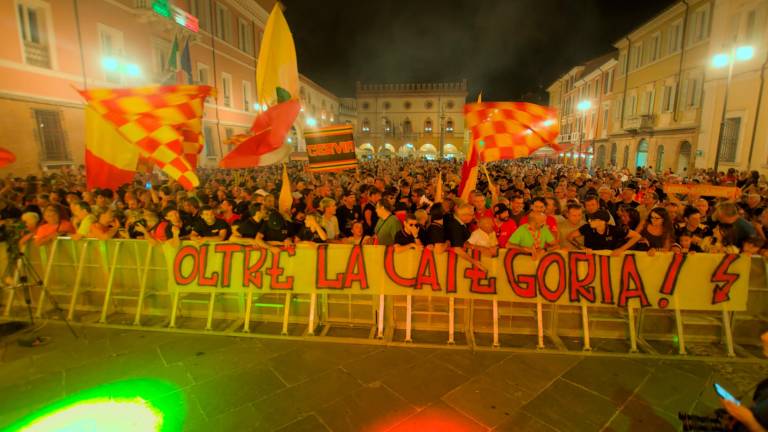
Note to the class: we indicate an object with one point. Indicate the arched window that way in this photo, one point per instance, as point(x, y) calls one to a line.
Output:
point(600, 158)
point(366, 126)
point(641, 160)
point(386, 125)
point(407, 126)
point(613, 154)
point(428, 125)
point(449, 125)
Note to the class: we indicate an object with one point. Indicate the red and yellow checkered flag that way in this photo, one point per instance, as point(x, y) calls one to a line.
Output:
point(164, 122)
point(510, 130)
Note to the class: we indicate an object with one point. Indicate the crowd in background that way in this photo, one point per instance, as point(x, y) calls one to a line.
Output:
point(517, 204)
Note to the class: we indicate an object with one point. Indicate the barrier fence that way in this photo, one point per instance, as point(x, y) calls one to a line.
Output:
point(327, 290)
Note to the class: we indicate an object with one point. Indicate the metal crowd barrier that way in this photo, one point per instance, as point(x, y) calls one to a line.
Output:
point(125, 283)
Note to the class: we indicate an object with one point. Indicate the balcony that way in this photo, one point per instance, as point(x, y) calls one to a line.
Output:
point(37, 54)
point(641, 123)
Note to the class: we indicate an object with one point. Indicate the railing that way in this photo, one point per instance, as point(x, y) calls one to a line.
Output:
point(639, 122)
point(37, 54)
point(230, 288)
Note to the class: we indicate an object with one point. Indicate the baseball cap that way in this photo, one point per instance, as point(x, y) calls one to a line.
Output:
point(600, 215)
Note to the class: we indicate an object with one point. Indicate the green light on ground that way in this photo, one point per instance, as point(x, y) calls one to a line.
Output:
point(113, 415)
point(140, 405)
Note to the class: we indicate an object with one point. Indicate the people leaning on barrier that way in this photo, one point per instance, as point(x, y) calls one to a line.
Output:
point(82, 219)
point(570, 222)
point(246, 228)
point(599, 235)
point(311, 232)
point(657, 231)
point(209, 227)
point(408, 237)
point(483, 238)
point(106, 226)
point(52, 226)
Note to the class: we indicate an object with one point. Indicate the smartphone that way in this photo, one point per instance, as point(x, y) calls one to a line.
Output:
point(723, 393)
point(148, 185)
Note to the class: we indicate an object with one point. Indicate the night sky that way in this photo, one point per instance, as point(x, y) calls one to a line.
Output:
point(509, 49)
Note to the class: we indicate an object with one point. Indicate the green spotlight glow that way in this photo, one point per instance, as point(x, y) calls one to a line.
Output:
point(139, 405)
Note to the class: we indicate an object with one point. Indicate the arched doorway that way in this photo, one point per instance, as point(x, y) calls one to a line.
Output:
point(684, 158)
point(406, 150)
point(428, 151)
point(626, 156)
point(660, 158)
point(614, 150)
point(600, 157)
point(641, 160)
point(387, 150)
point(450, 151)
point(365, 151)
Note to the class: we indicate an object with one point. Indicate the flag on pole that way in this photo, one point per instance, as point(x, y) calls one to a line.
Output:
point(110, 160)
point(186, 63)
point(163, 122)
point(277, 84)
point(173, 64)
point(265, 142)
point(277, 76)
point(510, 130)
point(285, 202)
point(469, 167)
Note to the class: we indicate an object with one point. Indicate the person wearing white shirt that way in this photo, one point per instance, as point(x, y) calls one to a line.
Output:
point(484, 237)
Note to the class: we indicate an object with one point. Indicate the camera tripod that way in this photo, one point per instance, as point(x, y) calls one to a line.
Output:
point(25, 277)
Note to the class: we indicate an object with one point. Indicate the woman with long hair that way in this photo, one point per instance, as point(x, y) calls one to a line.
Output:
point(658, 231)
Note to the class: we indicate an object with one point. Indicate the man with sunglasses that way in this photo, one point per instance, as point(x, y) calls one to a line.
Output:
point(408, 237)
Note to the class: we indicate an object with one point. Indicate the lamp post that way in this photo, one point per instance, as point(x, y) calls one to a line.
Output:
point(583, 107)
point(719, 61)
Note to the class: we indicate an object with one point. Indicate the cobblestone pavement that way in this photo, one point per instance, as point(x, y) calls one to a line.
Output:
point(242, 384)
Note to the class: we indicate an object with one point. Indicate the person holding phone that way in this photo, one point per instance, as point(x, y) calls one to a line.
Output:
point(754, 418)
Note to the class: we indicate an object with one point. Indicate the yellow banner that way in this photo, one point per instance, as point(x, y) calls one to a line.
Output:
point(693, 282)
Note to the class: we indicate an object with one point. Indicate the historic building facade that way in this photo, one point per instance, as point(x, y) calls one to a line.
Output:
point(411, 119)
point(54, 47)
point(666, 96)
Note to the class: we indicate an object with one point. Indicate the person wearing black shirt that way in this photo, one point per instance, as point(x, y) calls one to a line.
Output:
point(209, 227)
point(274, 228)
point(248, 227)
point(435, 232)
point(408, 237)
point(457, 226)
point(176, 230)
point(190, 213)
point(370, 218)
point(599, 235)
point(755, 417)
point(347, 213)
point(312, 231)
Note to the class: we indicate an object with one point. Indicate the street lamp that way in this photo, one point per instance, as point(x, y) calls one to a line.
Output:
point(719, 61)
point(583, 107)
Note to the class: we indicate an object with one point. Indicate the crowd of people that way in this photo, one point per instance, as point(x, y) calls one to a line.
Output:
point(520, 204)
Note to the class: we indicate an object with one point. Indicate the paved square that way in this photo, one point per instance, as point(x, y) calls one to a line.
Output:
point(256, 384)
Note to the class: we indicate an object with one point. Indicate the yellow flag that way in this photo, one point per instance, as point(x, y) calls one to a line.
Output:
point(277, 76)
point(286, 198)
point(439, 188)
point(110, 160)
point(480, 97)
point(470, 185)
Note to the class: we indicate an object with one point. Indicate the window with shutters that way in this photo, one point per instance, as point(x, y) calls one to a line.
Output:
point(247, 96)
point(693, 93)
point(699, 24)
point(245, 36)
point(226, 87)
point(201, 9)
point(730, 143)
point(210, 145)
point(223, 23)
point(674, 37)
point(33, 19)
point(53, 147)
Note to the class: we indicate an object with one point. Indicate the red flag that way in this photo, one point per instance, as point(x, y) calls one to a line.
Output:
point(264, 144)
point(6, 157)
